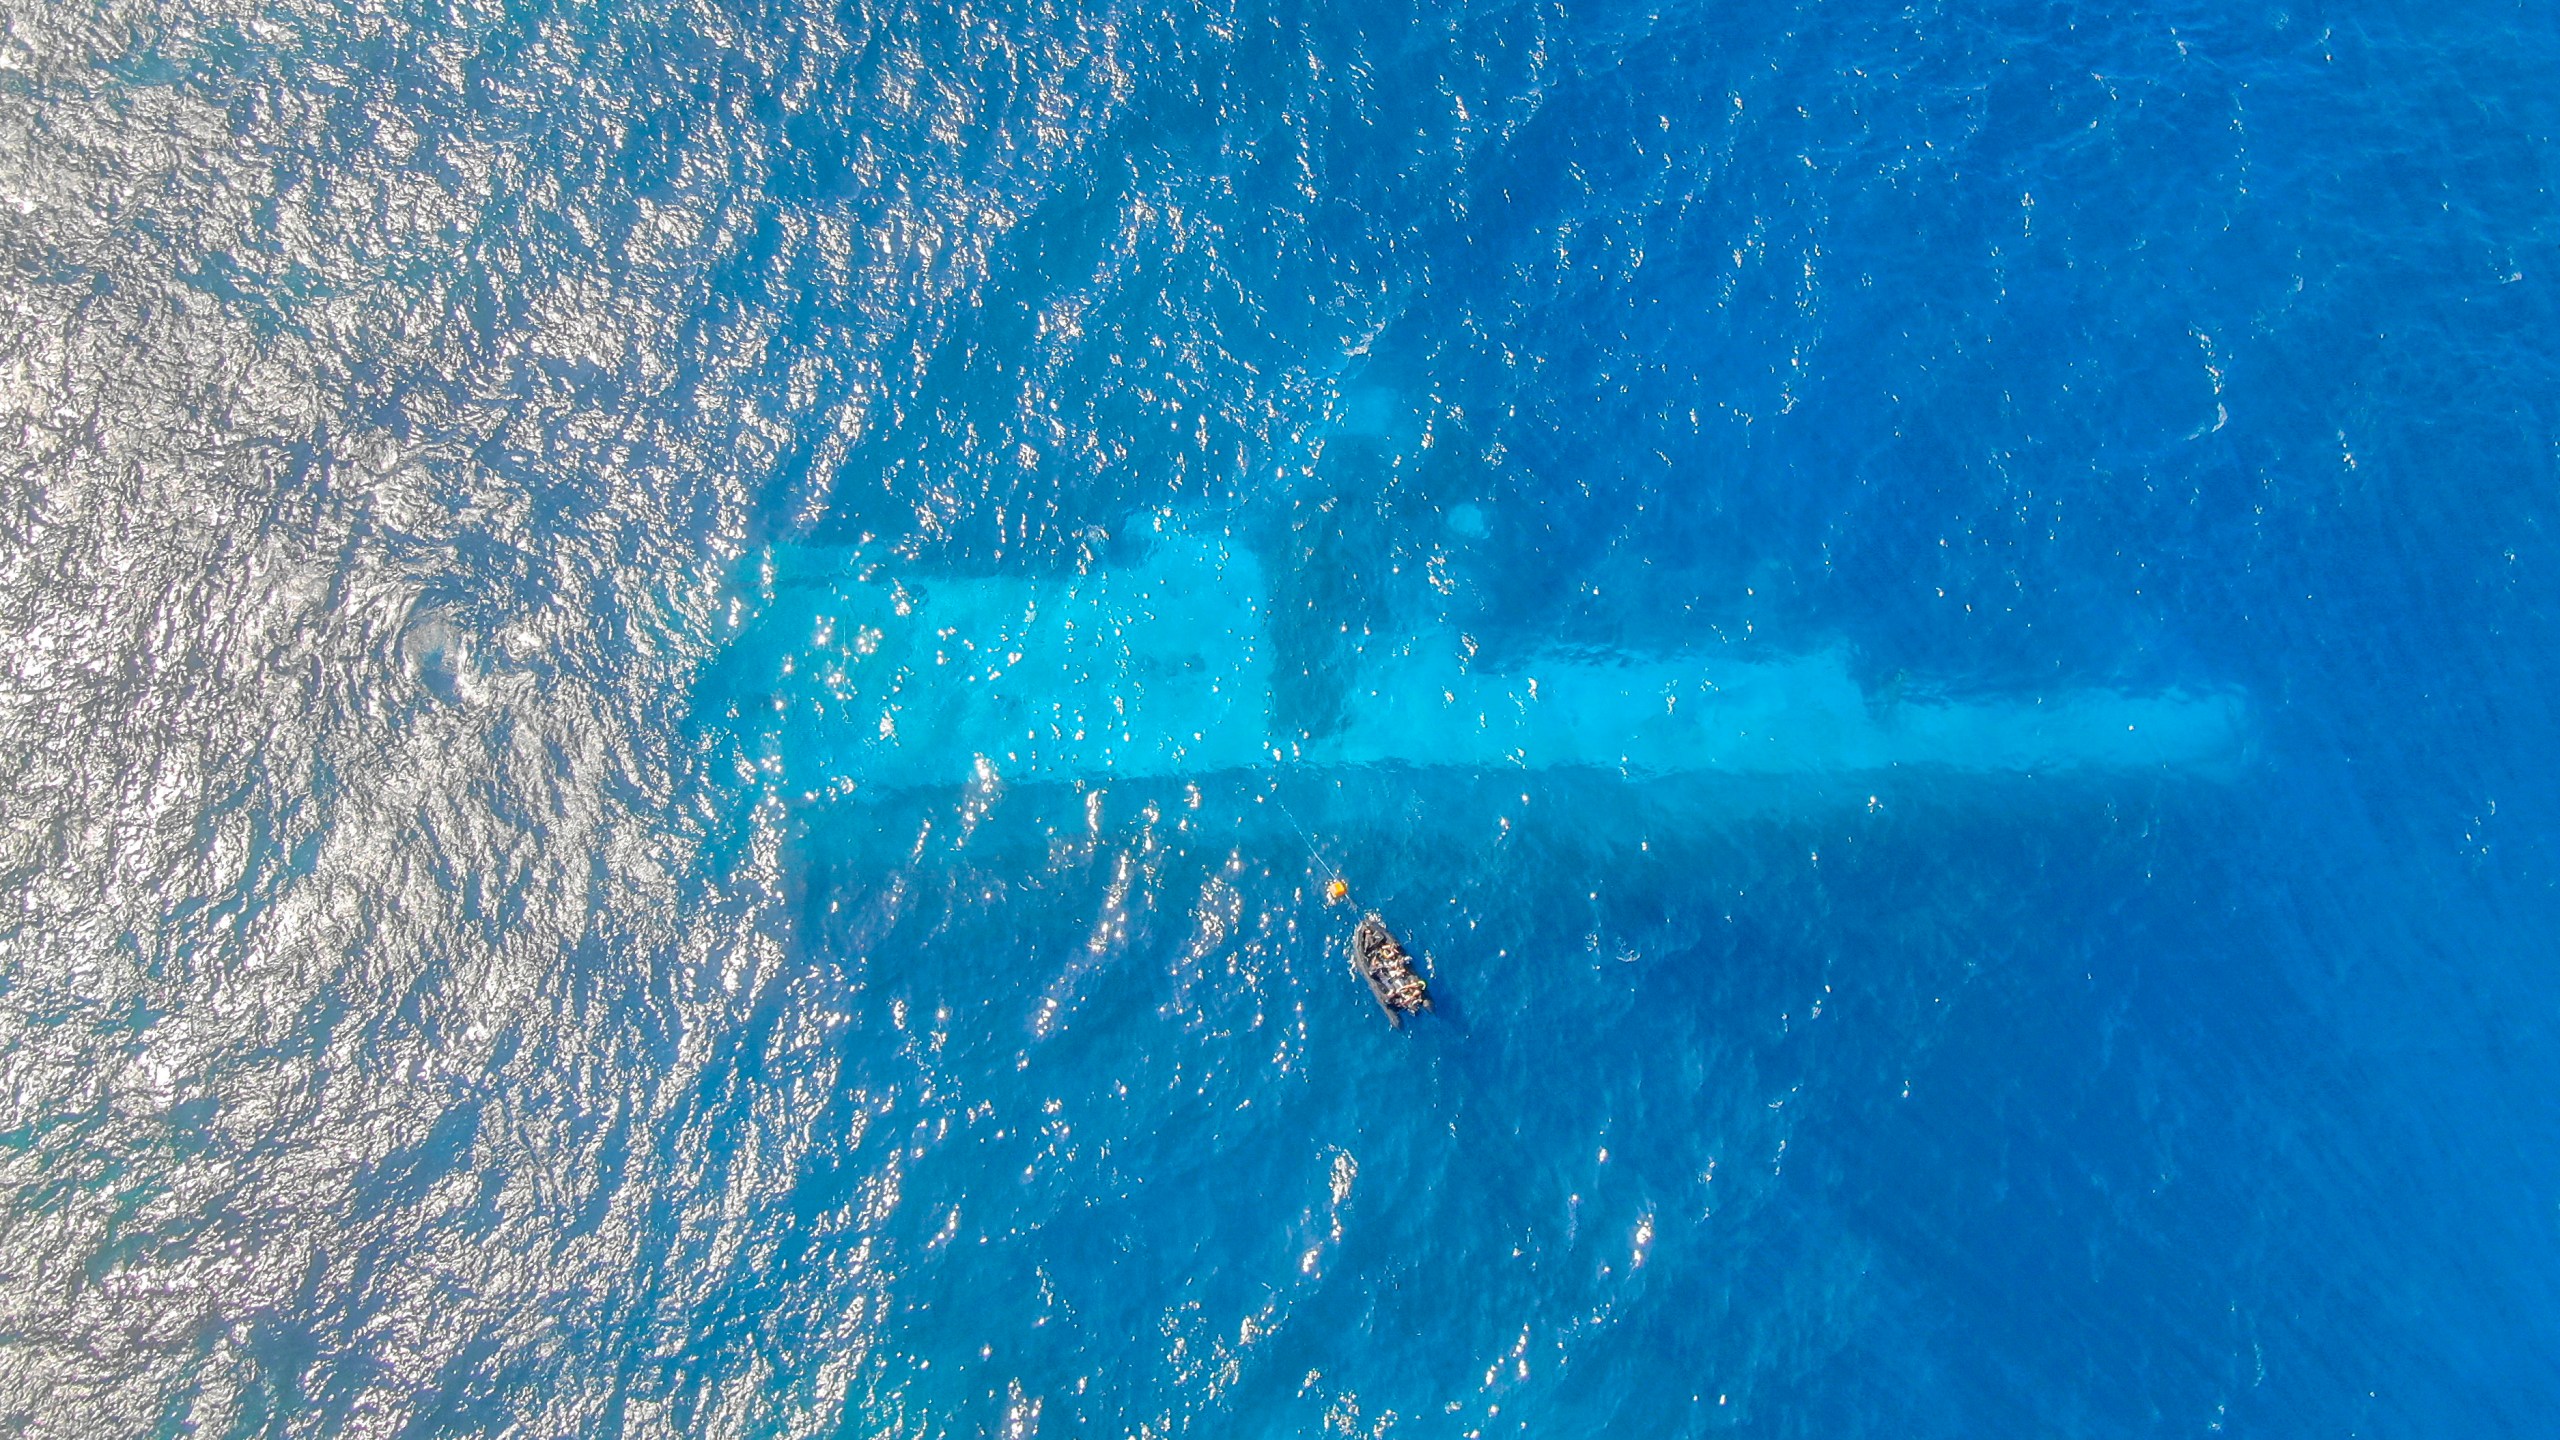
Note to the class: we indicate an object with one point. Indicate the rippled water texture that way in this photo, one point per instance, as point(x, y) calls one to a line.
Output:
point(677, 683)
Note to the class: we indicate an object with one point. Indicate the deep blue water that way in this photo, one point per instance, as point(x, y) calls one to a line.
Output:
point(529, 528)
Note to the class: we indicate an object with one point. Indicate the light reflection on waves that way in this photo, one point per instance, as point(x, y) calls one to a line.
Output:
point(373, 1050)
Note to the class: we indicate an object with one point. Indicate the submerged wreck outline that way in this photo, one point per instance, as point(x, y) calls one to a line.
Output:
point(1163, 668)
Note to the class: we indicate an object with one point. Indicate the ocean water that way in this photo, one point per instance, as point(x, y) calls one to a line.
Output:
point(678, 683)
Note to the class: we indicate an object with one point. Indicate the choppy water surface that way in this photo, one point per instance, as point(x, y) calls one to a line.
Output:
point(677, 683)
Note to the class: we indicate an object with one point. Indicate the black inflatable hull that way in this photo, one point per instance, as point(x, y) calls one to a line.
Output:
point(1392, 978)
